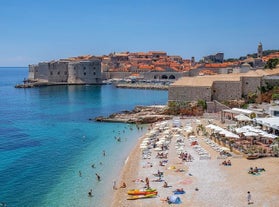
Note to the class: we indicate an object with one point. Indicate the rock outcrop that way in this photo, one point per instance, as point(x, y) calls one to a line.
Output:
point(139, 115)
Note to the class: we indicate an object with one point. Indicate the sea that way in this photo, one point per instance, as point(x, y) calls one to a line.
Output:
point(48, 144)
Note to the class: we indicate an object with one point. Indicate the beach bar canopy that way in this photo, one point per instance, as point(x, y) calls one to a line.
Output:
point(242, 117)
point(250, 131)
point(222, 131)
point(272, 122)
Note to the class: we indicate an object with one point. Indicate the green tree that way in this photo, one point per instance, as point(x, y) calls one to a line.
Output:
point(202, 103)
point(272, 63)
point(275, 96)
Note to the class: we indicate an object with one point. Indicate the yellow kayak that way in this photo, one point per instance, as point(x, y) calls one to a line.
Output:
point(142, 192)
point(142, 196)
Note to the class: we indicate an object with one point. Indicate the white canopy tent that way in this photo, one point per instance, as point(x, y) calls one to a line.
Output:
point(250, 131)
point(242, 117)
point(222, 131)
point(272, 122)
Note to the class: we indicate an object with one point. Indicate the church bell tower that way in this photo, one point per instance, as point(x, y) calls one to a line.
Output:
point(260, 50)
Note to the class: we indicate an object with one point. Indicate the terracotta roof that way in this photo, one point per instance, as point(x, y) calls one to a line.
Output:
point(159, 69)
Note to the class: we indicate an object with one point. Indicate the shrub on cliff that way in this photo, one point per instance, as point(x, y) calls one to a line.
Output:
point(185, 108)
point(272, 63)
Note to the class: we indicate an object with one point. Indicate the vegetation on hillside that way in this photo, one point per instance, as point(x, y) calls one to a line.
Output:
point(272, 63)
point(186, 108)
point(253, 55)
point(265, 53)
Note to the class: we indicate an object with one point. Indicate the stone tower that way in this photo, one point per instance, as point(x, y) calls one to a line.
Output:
point(260, 50)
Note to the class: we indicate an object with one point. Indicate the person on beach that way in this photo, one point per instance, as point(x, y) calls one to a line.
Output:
point(93, 165)
point(249, 198)
point(79, 172)
point(98, 177)
point(123, 185)
point(165, 184)
point(147, 183)
point(104, 153)
point(90, 194)
point(114, 185)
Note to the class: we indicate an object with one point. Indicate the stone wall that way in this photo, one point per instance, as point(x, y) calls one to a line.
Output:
point(146, 75)
point(85, 72)
point(80, 72)
point(42, 71)
point(188, 93)
point(271, 80)
point(250, 84)
point(215, 106)
point(58, 72)
point(31, 71)
point(226, 90)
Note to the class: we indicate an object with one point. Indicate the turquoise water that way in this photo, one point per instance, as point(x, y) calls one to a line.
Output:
point(46, 138)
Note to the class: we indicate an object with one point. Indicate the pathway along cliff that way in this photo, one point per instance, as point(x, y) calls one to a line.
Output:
point(139, 115)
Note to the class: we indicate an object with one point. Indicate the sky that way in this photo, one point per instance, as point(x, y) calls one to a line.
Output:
point(33, 31)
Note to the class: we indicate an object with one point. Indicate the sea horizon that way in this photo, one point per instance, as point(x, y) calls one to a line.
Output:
point(46, 138)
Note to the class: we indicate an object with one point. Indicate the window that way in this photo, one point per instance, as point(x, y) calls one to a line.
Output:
point(58, 73)
point(94, 73)
point(84, 73)
point(51, 73)
point(246, 83)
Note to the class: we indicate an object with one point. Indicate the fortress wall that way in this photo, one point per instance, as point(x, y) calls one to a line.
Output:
point(58, 72)
point(223, 90)
point(42, 71)
point(250, 84)
point(271, 80)
point(31, 71)
point(189, 93)
point(85, 72)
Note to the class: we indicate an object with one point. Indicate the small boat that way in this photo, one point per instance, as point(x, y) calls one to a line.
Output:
point(135, 197)
point(142, 192)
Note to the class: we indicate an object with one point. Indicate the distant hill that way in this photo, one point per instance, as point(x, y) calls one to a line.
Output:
point(254, 55)
point(265, 53)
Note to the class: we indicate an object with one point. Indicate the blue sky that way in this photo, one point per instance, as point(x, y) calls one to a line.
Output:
point(33, 30)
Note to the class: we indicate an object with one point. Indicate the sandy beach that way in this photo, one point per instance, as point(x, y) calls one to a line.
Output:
point(205, 180)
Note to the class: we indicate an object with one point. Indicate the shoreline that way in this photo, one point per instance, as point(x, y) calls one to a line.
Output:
point(127, 169)
point(217, 185)
point(142, 86)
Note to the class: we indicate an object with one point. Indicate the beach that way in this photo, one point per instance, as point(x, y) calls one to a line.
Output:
point(205, 180)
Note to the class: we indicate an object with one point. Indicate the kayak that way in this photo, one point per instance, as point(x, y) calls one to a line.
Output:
point(142, 192)
point(151, 195)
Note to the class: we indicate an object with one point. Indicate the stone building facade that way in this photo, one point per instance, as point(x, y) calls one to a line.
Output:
point(67, 72)
point(221, 87)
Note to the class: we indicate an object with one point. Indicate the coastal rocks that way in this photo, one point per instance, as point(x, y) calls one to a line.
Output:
point(139, 115)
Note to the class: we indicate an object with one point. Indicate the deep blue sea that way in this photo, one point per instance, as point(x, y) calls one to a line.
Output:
point(46, 138)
